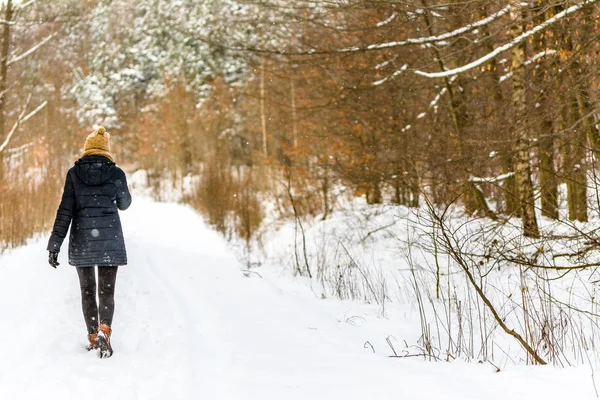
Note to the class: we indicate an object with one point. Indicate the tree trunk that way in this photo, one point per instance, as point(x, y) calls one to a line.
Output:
point(581, 114)
point(548, 178)
point(575, 147)
point(374, 192)
point(294, 114)
point(8, 14)
point(511, 196)
point(475, 201)
point(519, 99)
point(586, 106)
point(412, 192)
point(576, 168)
point(263, 115)
point(546, 141)
point(325, 186)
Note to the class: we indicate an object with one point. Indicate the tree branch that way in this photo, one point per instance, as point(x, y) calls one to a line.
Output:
point(22, 118)
point(23, 6)
point(508, 45)
point(528, 62)
point(31, 50)
point(458, 258)
point(431, 39)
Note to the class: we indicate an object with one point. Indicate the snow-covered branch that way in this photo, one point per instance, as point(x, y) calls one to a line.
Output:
point(34, 112)
point(432, 39)
point(387, 21)
point(389, 78)
point(20, 149)
point(25, 5)
point(508, 45)
point(494, 179)
point(433, 104)
point(388, 62)
point(22, 119)
point(14, 128)
point(31, 50)
point(437, 98)
point(528, 62)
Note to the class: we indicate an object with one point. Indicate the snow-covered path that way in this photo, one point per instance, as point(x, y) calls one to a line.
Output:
point(190, 325)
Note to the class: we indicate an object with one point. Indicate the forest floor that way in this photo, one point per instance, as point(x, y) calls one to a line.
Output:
point(191, 324)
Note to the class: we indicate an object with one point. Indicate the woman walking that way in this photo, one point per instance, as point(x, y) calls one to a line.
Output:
point(95, 189)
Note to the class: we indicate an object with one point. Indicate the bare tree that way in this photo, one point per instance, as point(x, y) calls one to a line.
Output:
point(9, 13)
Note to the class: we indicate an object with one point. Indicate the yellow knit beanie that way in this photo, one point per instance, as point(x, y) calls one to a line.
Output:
point(98, 144)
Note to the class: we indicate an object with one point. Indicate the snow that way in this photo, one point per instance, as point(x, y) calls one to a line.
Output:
point(190, 324)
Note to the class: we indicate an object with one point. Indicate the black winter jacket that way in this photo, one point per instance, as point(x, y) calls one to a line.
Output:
point(95, 189)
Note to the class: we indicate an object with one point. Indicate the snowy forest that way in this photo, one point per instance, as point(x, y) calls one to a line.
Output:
point(486, 104)
point(432, 155)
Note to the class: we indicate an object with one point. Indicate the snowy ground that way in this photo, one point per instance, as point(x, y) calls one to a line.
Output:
point(190, 325)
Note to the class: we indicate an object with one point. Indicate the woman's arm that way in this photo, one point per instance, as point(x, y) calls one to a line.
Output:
point(64, 215)
point(123, 195)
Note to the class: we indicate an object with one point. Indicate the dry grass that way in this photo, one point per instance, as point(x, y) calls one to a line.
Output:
point(229, 201)
point(26, 209)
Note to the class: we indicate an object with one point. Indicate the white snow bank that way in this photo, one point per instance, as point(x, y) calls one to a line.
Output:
point(385, 256)
point(190, 325)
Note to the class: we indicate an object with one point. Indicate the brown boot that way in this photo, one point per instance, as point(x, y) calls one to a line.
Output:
point(103, 341)
point(93, 338)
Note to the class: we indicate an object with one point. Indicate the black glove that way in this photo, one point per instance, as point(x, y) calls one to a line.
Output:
point(53, 259)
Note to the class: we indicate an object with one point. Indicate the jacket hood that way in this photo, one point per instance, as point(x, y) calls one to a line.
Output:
point(94, 170)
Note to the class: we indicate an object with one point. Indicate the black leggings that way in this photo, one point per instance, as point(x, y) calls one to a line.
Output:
point(107, 277)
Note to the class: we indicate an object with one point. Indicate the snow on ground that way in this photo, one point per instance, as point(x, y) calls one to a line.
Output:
point(384, 255)
point(190, 324)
